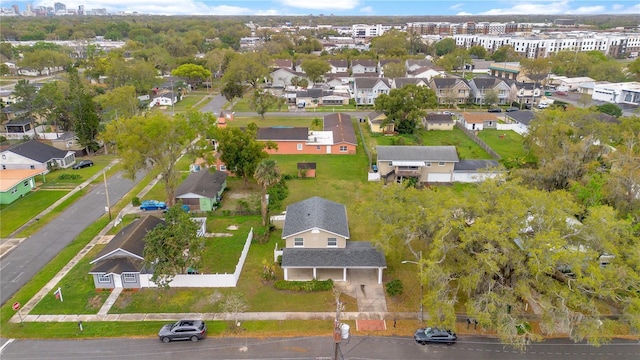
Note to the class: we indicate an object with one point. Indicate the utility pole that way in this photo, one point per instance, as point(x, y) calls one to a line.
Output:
point(337, 333)
point(106, 191)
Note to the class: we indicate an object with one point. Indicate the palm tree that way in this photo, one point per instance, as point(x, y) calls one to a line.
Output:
point(267, 174)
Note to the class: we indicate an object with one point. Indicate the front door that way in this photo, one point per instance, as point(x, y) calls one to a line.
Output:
point(117, 280)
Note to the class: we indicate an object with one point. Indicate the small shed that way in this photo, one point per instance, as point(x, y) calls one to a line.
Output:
point(306, 169)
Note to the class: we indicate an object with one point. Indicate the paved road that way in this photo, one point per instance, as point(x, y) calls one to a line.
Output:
point(358, 347)
point(23, 262)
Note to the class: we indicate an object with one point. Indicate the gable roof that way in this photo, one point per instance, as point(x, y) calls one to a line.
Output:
point(283, 63)
point(342, 127)
point(417, 153)
point(364, 62)
point(316, 212)
point(283, 133)
point(447, 83)
point(370, 82)
point(204, 183)
point(338, 63)
point(404, 81)
point(355, 254)
point(35, 150)
point(438, 118)
point(10, 177)
point(376, 117)
point(478, 118)
point(485, 82)
point(130, 239)
point(523, 117)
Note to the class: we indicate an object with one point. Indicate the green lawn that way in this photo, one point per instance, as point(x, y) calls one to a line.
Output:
point(53, 179)
point(508, 144)
point(221, 254)
point(272, 121)
point(78, 291)
point(244, 105)
point(24, 209)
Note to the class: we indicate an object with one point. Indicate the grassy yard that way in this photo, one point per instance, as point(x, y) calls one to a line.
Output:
point(508, 144)
point(272, 121)
point(16, 214)
point(244, 105)
point(78, 291)
point(55, 179)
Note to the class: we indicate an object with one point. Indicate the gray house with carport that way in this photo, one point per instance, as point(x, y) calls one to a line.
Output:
point(316, 234)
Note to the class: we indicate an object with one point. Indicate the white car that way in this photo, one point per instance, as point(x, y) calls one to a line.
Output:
point(543, 106)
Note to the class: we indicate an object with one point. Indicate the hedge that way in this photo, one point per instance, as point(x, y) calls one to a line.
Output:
point(313, 285)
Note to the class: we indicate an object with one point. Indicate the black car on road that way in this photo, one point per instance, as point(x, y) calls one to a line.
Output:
point(495, 110)
point(82, 164)
point(193, 330)
point(434, 335)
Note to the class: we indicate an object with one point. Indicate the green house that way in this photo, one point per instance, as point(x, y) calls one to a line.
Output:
point(202, 190)
point(16, 183)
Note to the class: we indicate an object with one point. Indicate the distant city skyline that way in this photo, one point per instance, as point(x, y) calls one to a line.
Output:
point(348, 7)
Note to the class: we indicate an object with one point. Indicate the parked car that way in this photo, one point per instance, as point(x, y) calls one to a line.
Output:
point(448, 113)
point(153, 205)
point(510, 109)
point(374, 167)
point(495, 110)
point(82, 164)
point(193, 330)
point(434, 335)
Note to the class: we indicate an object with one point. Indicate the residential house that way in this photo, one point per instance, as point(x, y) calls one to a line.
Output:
point(478, 121)
point(438, 122)
point(20, 126)
point(121, 262)
point(572, 84)
point(364, 66)
point(472, 171)
point(15, 184)
point(367, 89)
point(337, 137)
point(344, 136)
point(618, 93)
point(506, 70)
point(69, 141)
point(282, 64)
point(426, 73)
point(202, 190)
point(428, 164)
point(282, 77)
point(168, 98)
point(339, 66)
point(414, 64)
point(317, 246)
point(450, 91)
point(384, 62)
point(36, 155)
point(527, 93)
point(480, 86)
point(399, 83)
point(522, 120)
point(378, 123)
point(309, 98)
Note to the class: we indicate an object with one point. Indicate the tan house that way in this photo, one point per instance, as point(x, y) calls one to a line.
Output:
point(438, 122)
point(376, 121)
point(450, 91)
point(429, 164)
point(317, 246)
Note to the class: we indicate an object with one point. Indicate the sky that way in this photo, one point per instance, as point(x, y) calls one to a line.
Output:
point(349, 7)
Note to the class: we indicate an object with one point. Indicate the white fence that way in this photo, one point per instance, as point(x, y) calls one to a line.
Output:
point(30, 134)
point(517, 127)
point(206, 280)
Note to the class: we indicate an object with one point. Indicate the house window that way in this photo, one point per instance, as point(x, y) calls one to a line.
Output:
point(14, 190)
point(104, 278)
point(343, 148)
point(441, 163)
point(332, 242)
point(223, 168)
point(317, 147)
point(299, 147)
point(129, 278)
point(4, 157)
point(26, 183)
point(298, 242)
point(428, 164)
point(32, 167)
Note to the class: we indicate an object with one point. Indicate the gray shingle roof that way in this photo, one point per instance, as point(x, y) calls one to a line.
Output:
point(485, 82)
point(356, 254)
point(439, 118)
point(118, 265)
point(475, 165)
point(417, 153)
point(523, 117)
point(130, 238)
point(204, 183)
point(316, 212)
point(35, 150)
point(342, 127)
point(283, 133)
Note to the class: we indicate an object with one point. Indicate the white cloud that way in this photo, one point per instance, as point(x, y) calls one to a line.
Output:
point(368, 10)
point(327, 5)
point(589, 10)
point(456, 6)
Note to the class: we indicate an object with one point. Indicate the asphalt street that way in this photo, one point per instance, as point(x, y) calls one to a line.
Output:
point(23, 262)
point(358, 347)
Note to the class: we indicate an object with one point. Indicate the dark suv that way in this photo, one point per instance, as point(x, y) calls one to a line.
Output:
point(495, 110)
point(434, 335)
point(193, 330)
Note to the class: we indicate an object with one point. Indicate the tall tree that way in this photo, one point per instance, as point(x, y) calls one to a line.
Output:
point(406, 106)
point(394, 70)
point(315, 69)
point(25, 94)
point(240, 150)
point(498, 251)
point(84, 115)
point(267, 174)
point(391, 43)
point(250, 68)
point(445, 46)
point(262, 100)
point(119, 102)
point(173, 247)
point(155, 140)
point(192, 72)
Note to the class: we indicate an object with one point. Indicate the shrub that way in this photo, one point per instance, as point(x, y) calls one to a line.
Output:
point(69, 177)
point(394, 287)
point(308, 286)
point(135, 201)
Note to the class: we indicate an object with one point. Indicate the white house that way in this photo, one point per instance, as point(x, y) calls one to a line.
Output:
point(618, 93)
point(166, 99)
